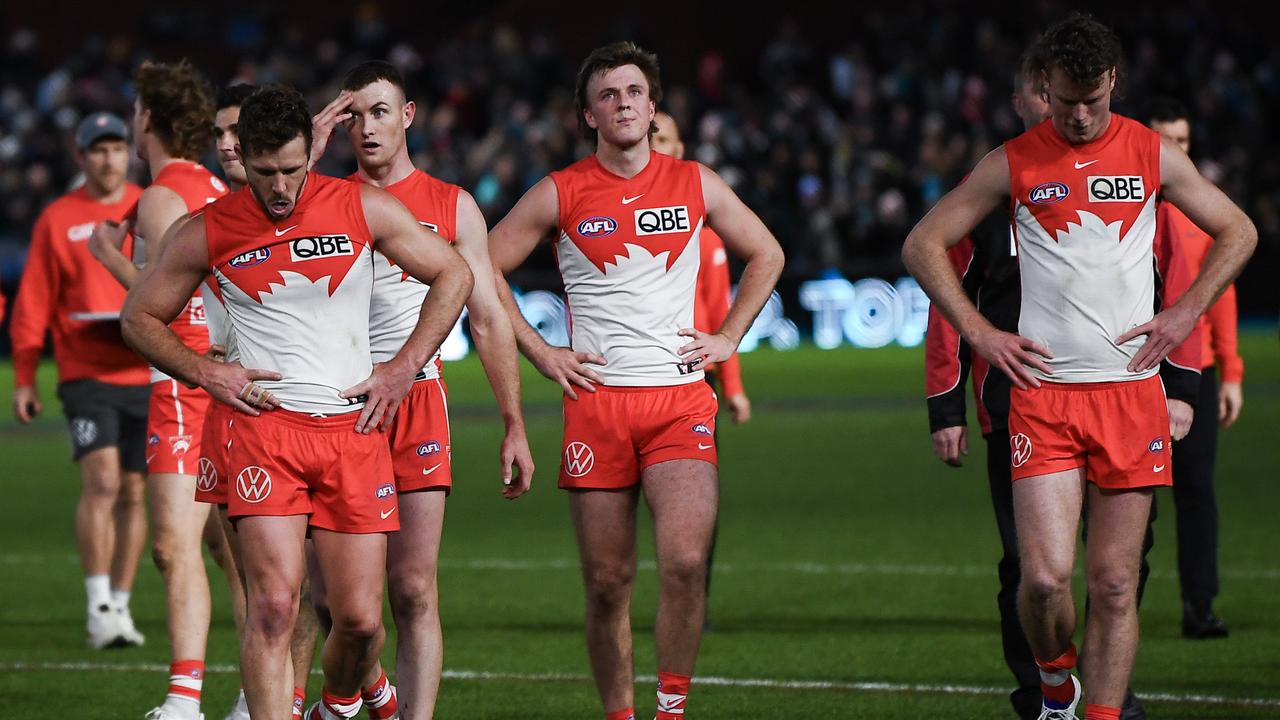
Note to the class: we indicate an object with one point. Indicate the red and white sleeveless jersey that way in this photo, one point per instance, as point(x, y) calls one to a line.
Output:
point(628, 251)
point(397, 296)
point(1085, 222)
point(297, 291)
point(197, 187)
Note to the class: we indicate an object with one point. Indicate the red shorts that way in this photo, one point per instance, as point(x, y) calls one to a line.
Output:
point(1117, 431)
point(612, 434)
point(211, 483)
point(287, 463)
point(421, 454)
point(175, 420)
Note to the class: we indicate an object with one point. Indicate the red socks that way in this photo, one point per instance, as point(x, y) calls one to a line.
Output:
point(1101, 712)
point(186, 678)
point(627, 714)
point(338, 707)
point(1055, 679)
point(299, 701)
point(380, 698)
point(673, 690)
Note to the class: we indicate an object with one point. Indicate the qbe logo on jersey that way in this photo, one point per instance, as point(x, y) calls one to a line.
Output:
point(1116, 188)
point(320, 246)
point(659, 221)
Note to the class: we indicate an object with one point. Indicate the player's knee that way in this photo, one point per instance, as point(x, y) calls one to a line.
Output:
point(358, 626)
point(104, 485)
point(610, 585)
point(688, 569)
point(1113, 592)
point(413, 595)
point(1042, 585)
point(271, 613)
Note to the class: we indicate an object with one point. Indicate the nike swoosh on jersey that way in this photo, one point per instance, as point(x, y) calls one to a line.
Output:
point(387, 513)
point(1080, 165)
point(627, 201)
point(1157, 468)
point(705, 447)
point(433, 468)
point(282, 232)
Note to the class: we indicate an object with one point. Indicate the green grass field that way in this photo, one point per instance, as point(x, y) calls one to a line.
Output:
point(855, 575)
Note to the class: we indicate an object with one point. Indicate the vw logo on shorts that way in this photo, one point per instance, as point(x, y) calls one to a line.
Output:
point(207, 480)
point(1019, 449)
point(253, 484)
point(578, 459)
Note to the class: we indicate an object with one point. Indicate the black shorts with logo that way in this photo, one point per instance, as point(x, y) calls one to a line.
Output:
point(103, 415)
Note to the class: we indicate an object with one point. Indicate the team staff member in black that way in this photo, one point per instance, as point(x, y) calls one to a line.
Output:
point(988, 267)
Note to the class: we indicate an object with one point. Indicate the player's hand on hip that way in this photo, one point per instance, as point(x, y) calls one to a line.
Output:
point(1013, 355)
point(569, 368)
point(740, 407)
point(1164, 332)
point(235, 385)
point(1230, 401)
point(26, 403)
point(950, 444)
point(382, 393)
point(1181, 413)
point(515, 451)
point(705, 348)
point(323, 124)
point(107, 239)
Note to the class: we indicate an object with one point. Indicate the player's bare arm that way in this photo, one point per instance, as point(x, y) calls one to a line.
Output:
point(747, 238)
point(429, 258)
point(510, 243)
point(496, 344)
point(159, 208)
point(925, 255)
point(1234, 239)
point(160, 293)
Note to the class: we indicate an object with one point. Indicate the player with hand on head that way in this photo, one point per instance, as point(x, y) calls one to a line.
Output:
point(103, 385)
point(638, 418)
point(376, 113)
point(292, 254)
point(1087, 418)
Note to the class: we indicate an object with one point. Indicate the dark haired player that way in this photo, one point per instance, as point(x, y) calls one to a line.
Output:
point(627, 222)
point(292, 254)
point(1087, 419)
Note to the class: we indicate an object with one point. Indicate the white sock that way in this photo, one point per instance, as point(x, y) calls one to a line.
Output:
point(241, 703)
point(120, 598)
point(1054, 678)
point(98, 588)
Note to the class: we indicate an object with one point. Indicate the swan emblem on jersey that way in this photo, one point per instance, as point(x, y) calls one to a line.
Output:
point(1090, 226)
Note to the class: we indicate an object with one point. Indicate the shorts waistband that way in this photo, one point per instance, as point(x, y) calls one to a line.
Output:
point(1094, 386)
point(345, 422)
point(644, 388)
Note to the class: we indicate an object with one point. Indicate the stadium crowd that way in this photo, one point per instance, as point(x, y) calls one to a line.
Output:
point(840, 149)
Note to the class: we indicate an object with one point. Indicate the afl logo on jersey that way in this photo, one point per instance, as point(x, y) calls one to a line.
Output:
point(1156, 446)
point(659, 221)
point(597, 227)
point(431, 447)
point(1049, 193)
point(249, 259)
point(322, 246)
